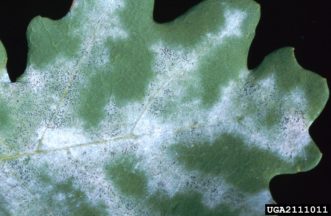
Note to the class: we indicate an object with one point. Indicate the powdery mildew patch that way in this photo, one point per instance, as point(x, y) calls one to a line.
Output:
point(4, 78)
point(103, 15)
point(232, 27)
point(66, 150)
point(280, 137)
point(61, 137)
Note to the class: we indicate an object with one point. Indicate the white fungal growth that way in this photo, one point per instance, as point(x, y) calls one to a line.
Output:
point(170, 61)
point(256, 202)
point(4, 78)
point(60, 138)
point(103, 16)
point(55, 140)
point(285, 138)
point(233, 23)
point(232, 26)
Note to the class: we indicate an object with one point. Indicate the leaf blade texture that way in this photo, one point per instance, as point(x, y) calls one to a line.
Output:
point(118, 115)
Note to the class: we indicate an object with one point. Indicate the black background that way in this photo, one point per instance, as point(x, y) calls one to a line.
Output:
point(303, 24)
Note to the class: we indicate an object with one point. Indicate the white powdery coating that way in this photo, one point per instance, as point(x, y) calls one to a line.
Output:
point(176, 65)
point(103, 56)
point(140, 129)
point(256, 203)
point(93, 52)
point(4, 78)
point(85, 166)
point(232, 26)
point(35, 78)
point(286, 138)
point(54, 131)
point(50, 98)
point(171, 61)
point(214, 192)
point(175, 60)
point(163, 172)
point(13, 190)
point(102, 14)
point(160, 168)
point(59, 138)
point(154, 136)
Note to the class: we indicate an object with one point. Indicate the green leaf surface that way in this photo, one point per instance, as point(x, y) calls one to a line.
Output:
point(119, 115)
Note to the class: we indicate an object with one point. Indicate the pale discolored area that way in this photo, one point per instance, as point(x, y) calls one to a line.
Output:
point(118, 115)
